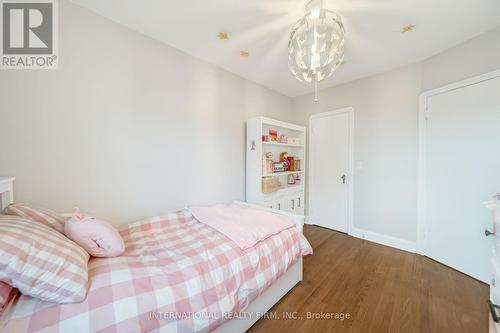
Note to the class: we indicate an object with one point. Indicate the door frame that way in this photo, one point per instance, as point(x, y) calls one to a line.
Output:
point(350, 173)
point(422, 127)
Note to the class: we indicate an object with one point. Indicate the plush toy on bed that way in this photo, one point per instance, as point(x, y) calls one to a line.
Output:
point(97, 237)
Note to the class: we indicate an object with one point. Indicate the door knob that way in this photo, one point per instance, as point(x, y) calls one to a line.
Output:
point(343, 179)
point(488, 233)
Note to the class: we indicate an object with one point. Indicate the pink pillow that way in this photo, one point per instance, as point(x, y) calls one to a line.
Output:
point(41, 215)
point(97, 237)
point(41, 262)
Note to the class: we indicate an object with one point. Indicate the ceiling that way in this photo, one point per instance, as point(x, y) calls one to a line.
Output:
point(374, 41)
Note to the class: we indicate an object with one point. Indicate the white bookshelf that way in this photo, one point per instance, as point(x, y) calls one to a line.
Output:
point(289, 197)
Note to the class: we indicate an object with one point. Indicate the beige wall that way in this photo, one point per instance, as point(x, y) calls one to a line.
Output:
point(386, 129)
point(385, 139)
point(126, 129)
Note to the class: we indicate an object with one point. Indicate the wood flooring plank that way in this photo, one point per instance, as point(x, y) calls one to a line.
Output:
point(381, 288)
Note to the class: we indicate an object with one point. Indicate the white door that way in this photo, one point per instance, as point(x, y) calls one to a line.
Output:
point(461, 171)
point(330, 169)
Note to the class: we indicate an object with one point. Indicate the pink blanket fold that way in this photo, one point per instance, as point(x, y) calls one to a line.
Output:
point(243, 225)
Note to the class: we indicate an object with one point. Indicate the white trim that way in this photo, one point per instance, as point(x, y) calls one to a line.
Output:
point(421, 151)
point(398, 243)
point(350, 111)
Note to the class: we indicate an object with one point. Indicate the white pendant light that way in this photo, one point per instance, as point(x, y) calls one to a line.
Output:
point(316, 45)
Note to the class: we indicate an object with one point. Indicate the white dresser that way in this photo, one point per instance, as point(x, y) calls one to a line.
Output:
point(494, 206)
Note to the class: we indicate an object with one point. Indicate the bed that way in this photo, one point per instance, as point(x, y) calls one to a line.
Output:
point(176, 275)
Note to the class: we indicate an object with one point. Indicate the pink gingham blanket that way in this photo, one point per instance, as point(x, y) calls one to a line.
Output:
point(251, 226)
point(176, 275)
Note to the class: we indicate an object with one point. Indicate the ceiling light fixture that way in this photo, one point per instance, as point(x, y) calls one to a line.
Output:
point(244, 53)
point(316, 45)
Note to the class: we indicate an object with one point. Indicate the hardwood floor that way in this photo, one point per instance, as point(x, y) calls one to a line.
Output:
point(381, 288)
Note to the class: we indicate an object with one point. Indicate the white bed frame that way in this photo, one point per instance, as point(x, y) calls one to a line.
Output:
point(274, 293)
point(6, 191)
point(258, 307)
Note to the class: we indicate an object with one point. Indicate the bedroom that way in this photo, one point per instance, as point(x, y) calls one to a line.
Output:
point(152, 108)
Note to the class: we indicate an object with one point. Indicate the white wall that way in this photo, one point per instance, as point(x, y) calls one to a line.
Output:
point(386, 130)
point(127, 127)
point(385, 140)
point(474, 57)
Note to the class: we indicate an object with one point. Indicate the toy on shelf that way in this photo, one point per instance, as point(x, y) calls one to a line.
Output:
point(285, 159)
point(291, 160)
point(294, 164)
point(297, 178)
point(267, 163)
point(279, 167)
point(273, 135)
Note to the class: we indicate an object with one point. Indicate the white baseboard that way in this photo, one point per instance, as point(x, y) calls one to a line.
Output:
point(391, 241)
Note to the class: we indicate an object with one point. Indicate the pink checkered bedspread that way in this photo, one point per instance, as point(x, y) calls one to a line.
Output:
point(177, 275)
